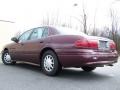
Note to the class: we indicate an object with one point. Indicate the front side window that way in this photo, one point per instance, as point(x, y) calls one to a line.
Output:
point(25, 36)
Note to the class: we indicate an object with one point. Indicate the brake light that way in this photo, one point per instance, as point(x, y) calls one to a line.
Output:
point(81, 43)
point(86, 44)
point(93, 44)
point(112, 45)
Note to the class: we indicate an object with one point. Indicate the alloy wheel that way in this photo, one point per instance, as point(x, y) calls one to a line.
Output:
point(48, 63)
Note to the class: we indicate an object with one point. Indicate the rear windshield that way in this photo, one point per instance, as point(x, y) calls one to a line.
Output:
point(69, 31)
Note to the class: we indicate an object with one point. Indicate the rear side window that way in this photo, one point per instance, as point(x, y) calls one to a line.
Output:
point(45, 33)
point(37, 33)
point(40, 32)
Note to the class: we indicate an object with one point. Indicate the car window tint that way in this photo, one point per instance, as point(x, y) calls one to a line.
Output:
point(40, 32)
point(45, 33)
point(25, 36)
point(34, 34)
point(37, 33)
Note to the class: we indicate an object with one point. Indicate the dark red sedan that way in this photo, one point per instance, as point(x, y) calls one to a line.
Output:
point(55, 47)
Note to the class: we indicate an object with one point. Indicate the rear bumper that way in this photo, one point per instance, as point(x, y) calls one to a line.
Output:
point(79, 58)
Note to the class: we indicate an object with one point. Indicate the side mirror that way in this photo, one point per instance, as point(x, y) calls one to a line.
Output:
point(15, 39)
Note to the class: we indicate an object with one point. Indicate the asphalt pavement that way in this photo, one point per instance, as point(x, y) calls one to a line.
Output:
point(28, 77)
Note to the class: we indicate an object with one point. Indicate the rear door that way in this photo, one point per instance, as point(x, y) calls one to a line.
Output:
point(32, 47)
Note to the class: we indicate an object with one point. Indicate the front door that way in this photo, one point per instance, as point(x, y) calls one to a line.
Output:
point(18, 52)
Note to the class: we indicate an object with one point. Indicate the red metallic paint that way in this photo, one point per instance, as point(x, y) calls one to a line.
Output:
point(64, 47)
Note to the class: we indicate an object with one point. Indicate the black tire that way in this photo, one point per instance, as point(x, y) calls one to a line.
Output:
point(4, 61)
point(88, 69)
point(56, 66)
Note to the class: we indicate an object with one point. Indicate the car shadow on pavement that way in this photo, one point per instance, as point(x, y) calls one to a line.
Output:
point(66, 73)
point(82, 75)
point(27, 66)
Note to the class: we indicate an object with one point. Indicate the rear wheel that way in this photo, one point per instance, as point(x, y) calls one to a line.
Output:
point(6, 58)
point(88, 69)
point(50, 64)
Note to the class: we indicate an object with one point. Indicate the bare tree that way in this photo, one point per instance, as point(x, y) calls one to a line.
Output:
point(55, 20)
point(114, 26)
point(84, 19)
point(95, 32)
point(105, 32)
point(114, 23)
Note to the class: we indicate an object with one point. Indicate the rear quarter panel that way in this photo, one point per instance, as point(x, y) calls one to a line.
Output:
point(64, 41)
point(65, 45)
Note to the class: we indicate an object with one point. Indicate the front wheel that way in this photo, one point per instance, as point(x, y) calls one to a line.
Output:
point(50, 64)
point(88, 69)
point(6, 58)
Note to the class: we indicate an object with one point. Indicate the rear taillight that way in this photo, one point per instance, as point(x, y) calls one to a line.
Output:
point(81, 43)
point(93, 44)
point(112, 45)
point(86, 44)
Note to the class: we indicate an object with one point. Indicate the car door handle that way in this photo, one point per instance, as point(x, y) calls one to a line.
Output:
point(12, 48)
point(41, 42)
point(22, 43)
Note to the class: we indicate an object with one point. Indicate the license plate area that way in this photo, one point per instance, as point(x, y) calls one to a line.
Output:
point(104, 45)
